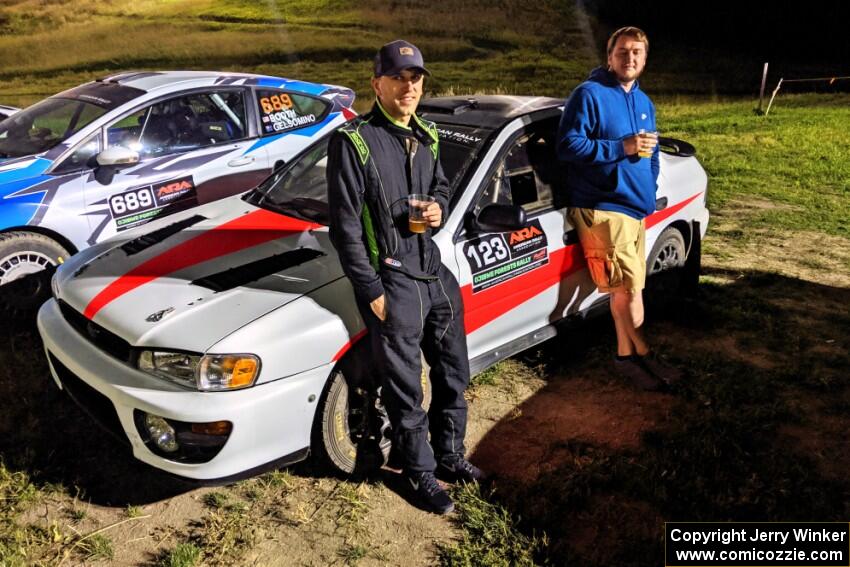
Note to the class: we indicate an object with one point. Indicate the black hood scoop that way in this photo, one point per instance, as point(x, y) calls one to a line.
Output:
point(253, 271)
point(145, 241)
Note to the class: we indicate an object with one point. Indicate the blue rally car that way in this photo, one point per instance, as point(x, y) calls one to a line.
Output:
point(118, 152)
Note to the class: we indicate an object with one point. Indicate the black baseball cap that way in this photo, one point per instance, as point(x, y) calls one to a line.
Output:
point(396, 56)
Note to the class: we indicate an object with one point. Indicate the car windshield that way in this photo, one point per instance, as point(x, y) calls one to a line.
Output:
point(44, 125)
point(301, 189)
point(459, 147)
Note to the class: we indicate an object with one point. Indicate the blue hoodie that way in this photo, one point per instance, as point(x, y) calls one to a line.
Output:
point(597, 116)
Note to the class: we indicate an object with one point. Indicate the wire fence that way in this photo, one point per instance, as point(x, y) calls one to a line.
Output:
point(828, 80)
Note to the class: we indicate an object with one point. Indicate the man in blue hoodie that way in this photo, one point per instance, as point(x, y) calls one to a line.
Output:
point(607, 137)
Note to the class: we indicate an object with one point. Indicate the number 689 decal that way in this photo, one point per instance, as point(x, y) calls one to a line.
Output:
point(132, 201)
point(142, 204)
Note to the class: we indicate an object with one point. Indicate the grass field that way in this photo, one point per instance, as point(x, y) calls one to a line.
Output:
point(469, 45)
point(755, 432)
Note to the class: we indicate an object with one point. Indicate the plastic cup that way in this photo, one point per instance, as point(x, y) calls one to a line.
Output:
point(417, 203)
point(645, 134)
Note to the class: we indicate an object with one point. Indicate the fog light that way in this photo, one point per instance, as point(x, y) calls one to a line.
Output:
point(161, 433)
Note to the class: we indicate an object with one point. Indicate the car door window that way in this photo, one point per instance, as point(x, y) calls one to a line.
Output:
point(181, 124)
point(527, 175)
point(282, 111)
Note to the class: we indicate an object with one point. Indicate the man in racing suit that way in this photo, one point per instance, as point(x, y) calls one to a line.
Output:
point(408, 299)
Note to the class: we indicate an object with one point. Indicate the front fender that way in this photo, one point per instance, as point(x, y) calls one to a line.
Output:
point(316, 329)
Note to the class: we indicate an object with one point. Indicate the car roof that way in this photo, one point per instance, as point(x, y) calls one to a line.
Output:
point(489, 111)
point(154, 80)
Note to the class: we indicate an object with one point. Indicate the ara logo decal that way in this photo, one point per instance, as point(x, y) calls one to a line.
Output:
point(159, 315)
point(524, 234)
point(177, 187)
point(643, 116)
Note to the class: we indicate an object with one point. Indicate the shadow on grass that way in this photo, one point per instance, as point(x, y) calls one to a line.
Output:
point(754, 433)
point(45, 435)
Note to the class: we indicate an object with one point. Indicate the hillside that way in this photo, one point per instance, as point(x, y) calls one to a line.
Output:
point(469, 45)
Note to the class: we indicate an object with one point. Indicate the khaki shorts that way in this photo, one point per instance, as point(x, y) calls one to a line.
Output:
point(615, 248)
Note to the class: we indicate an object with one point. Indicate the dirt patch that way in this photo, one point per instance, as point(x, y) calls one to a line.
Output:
point(759, 357)
point(606, 414)
point(733, 244)
point(604, 520)
point(820, 435)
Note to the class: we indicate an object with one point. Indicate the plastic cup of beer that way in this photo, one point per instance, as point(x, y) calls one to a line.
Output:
point(644, 134)
point(417, 203)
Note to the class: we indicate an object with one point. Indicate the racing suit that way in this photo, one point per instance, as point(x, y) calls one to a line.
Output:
point(373, 165)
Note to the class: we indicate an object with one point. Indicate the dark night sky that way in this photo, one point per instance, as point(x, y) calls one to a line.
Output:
point(813, 32)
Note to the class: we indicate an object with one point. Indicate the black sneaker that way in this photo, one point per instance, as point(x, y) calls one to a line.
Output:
point(640, 376)
point(431, 495)
point(459, 469)
point(660, 369)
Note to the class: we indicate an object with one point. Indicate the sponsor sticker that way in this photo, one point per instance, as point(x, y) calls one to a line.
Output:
point(142, 204)
point(498, 257)
point(459, 137)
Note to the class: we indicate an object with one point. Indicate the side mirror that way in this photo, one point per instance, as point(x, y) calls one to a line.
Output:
point(501, 218)
point(117, 156)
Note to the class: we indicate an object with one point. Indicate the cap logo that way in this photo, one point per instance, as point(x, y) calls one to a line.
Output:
point(405, 51)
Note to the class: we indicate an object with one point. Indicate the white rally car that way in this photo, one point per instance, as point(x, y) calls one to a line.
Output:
point(98, 159)
point(227, 339)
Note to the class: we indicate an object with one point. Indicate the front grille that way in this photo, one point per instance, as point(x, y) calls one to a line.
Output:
point(100, 337)
point(98, 406)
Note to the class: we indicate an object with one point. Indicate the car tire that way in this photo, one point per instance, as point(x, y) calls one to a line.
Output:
point(351, 431)
point(27, 262)
point(665, 265)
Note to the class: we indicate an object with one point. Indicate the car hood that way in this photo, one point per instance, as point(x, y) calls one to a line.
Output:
point(191, 283)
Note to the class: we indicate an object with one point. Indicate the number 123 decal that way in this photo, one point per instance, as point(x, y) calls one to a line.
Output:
point(498, 257)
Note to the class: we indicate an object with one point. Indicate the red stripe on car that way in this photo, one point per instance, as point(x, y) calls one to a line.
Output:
point(243, 232)
point(485, 306)
point(349, 344)
point(664, 214)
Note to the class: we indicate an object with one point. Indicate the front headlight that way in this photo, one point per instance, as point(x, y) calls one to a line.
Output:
point(207, 373)
point(176, 366)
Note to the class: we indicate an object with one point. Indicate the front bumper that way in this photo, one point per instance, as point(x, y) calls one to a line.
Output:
point(270, 420)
